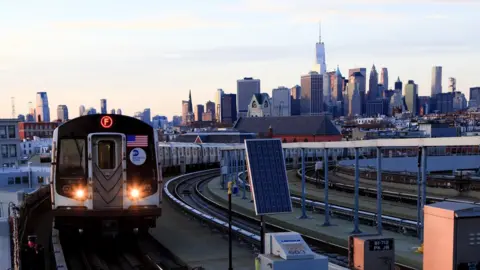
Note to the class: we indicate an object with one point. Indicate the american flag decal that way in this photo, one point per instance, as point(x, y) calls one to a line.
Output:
point(137, 140)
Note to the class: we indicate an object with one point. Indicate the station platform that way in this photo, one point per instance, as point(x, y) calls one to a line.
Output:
point(197, 245)
point(337, 234)
point(397, 209)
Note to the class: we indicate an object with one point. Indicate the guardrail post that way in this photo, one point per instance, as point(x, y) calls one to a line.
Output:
point(424, 188)
point(236, 169)
point(379, 190)
point(325, 190)
point(356, 229)
point(304, 213)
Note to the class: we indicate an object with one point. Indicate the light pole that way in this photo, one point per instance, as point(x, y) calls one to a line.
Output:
point(30, 174)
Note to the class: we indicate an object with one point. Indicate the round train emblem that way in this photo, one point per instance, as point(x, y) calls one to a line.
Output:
point(138, 156)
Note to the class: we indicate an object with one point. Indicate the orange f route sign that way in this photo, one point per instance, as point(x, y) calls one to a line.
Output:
point(106, 122)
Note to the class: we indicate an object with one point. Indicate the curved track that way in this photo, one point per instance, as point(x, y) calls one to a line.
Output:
point(189, 191)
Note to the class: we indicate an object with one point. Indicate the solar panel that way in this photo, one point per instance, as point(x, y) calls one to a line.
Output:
point(268, 176)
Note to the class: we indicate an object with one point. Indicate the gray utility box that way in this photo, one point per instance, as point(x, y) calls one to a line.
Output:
point(371, 251)
point(451, 236)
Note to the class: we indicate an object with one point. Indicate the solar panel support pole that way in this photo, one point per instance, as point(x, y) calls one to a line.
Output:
point(379, 190)
point(304, 212)
point(419, 191)
point(356, 228)
point(244, 173)
point(325, 169)
point(424, 189)
point(262, 234)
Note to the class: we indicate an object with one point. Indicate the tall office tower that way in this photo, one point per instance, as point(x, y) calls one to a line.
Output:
point(312, 94)
point(112, 111)
point(146, 116)
point(229, 109)
point(338, 86)
point(362, 80)
point(320, 67)
point(218, 101)
point(474, 97)
point(436, 80)
point(398, 85)
point(355, 101)
point(411, 96)
point(103, 106)
point(42, 111)
point(373, 84)
point(119, 111)
point(384, 78)
point(62, 113)
point(246, 88)
point(199, 110)
point(210, 108)
point(452, 84)
point(296, 92)
point(81, 110)
point(138, 115)
point(91, 110)
point(184, 112)
point(328, 80)
point(282, 101)
point(176, 120)
point(356, 82)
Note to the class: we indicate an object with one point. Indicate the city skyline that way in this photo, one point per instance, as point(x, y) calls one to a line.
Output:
point(141, 57)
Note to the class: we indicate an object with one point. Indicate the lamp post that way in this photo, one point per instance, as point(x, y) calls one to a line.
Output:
point(231, 189)
point(30, 174)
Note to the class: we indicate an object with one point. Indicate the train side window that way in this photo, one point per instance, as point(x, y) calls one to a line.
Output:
point(106, 155)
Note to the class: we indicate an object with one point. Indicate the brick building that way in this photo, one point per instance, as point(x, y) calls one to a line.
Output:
point(27, 130)
point(315, 128)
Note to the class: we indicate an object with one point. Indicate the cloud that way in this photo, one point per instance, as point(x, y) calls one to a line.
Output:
point(168, 23)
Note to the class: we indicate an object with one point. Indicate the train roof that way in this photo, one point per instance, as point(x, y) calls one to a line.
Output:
point(94, 123)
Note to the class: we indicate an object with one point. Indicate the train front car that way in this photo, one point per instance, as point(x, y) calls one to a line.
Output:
point(105, 175)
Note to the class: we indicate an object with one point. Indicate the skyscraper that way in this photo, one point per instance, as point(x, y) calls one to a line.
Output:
point(62, 113)
point(311, 102)
point(218, 102)
point(112, 111)
point(296, 92)
point(229, 110)
point(411, 95)
point(281, 100)
point(384, 78)
point(362, 80)
point(199, 110)
point(373, 84)
point(119, 111)
point(436, 80)
point(42, 111)
point(452, 84)
point(398, 85)
point(210, 108)
point(246, 88)
point(184, 112)
point(81, 110)
point(103, 106)
point(147, 116)
point(320, 65)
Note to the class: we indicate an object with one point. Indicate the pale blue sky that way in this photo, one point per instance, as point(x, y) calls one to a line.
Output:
point(149, 53)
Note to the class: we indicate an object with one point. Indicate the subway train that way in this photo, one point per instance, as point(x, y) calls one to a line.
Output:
point(105, 175)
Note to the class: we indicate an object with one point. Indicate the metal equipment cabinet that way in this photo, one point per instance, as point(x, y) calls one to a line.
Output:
point(371, 252)
point(451, 236)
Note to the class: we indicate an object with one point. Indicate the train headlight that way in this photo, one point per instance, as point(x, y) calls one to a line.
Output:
point(135, 193)
point(80, 194)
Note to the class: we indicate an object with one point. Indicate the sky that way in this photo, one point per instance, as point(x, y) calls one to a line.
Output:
point(149, 53)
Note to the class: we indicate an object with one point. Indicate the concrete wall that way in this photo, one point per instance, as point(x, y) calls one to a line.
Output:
point(409, 164)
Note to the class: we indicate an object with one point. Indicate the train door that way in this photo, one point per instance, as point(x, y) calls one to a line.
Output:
point(106, 166)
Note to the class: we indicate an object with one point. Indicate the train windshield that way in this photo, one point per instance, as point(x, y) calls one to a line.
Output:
point(71, 162)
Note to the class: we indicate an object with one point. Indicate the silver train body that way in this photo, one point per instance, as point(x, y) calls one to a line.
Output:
point(105, 175)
